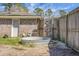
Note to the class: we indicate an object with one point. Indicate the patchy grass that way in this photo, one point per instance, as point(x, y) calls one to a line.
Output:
point(10, 41)
point(15, 42)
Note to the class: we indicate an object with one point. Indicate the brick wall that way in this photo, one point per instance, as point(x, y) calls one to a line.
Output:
point(27, 26)
point(5, 27)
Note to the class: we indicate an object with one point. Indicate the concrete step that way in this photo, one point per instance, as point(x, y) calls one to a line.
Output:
point(37, 40)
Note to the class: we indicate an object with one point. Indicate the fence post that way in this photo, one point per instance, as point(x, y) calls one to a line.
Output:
point(67, 30)
point(58, 32)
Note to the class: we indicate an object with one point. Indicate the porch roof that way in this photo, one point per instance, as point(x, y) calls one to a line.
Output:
point(24, 17)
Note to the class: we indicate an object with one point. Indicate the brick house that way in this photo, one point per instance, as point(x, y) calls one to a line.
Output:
point(17, 23)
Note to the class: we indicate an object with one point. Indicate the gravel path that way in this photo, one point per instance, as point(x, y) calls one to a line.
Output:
point(60, 49)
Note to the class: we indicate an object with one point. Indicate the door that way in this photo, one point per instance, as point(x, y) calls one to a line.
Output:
point(15, 28)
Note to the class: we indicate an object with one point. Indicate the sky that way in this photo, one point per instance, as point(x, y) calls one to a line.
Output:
point(54, 6)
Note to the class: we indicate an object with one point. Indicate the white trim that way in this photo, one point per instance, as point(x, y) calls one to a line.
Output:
point(12, 34)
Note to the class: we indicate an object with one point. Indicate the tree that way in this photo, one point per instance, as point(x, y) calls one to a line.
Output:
point(49, 12)
point(62, 12)
point(19, 5)
point(38, 11)
point(22, 7)
point(7, 6)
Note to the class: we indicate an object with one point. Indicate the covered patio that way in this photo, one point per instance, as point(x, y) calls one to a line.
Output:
point(15, 26)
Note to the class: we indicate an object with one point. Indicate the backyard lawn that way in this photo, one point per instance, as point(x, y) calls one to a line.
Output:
point(10, 41)
point(12, 47)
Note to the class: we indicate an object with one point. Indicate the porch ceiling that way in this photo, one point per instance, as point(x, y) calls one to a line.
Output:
point(29, 17)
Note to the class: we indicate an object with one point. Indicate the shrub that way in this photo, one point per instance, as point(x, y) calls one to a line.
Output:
point(5, 36)
point(62, 39)
point(22, 35)
point(29, 44)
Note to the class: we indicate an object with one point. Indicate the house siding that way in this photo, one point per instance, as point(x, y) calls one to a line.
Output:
point(5, 27)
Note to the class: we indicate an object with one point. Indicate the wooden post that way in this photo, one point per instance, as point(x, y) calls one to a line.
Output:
point(67, 30)
point(38, 27)
point(58, 28)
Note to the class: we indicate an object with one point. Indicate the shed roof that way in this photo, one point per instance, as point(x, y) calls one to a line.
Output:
point(74, 10)
point(17, 17)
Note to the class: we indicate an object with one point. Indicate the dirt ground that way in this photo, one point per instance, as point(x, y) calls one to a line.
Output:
point(6, 50)
point(54, 49)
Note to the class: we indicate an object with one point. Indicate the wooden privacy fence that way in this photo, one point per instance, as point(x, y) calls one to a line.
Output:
point(66, 29)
